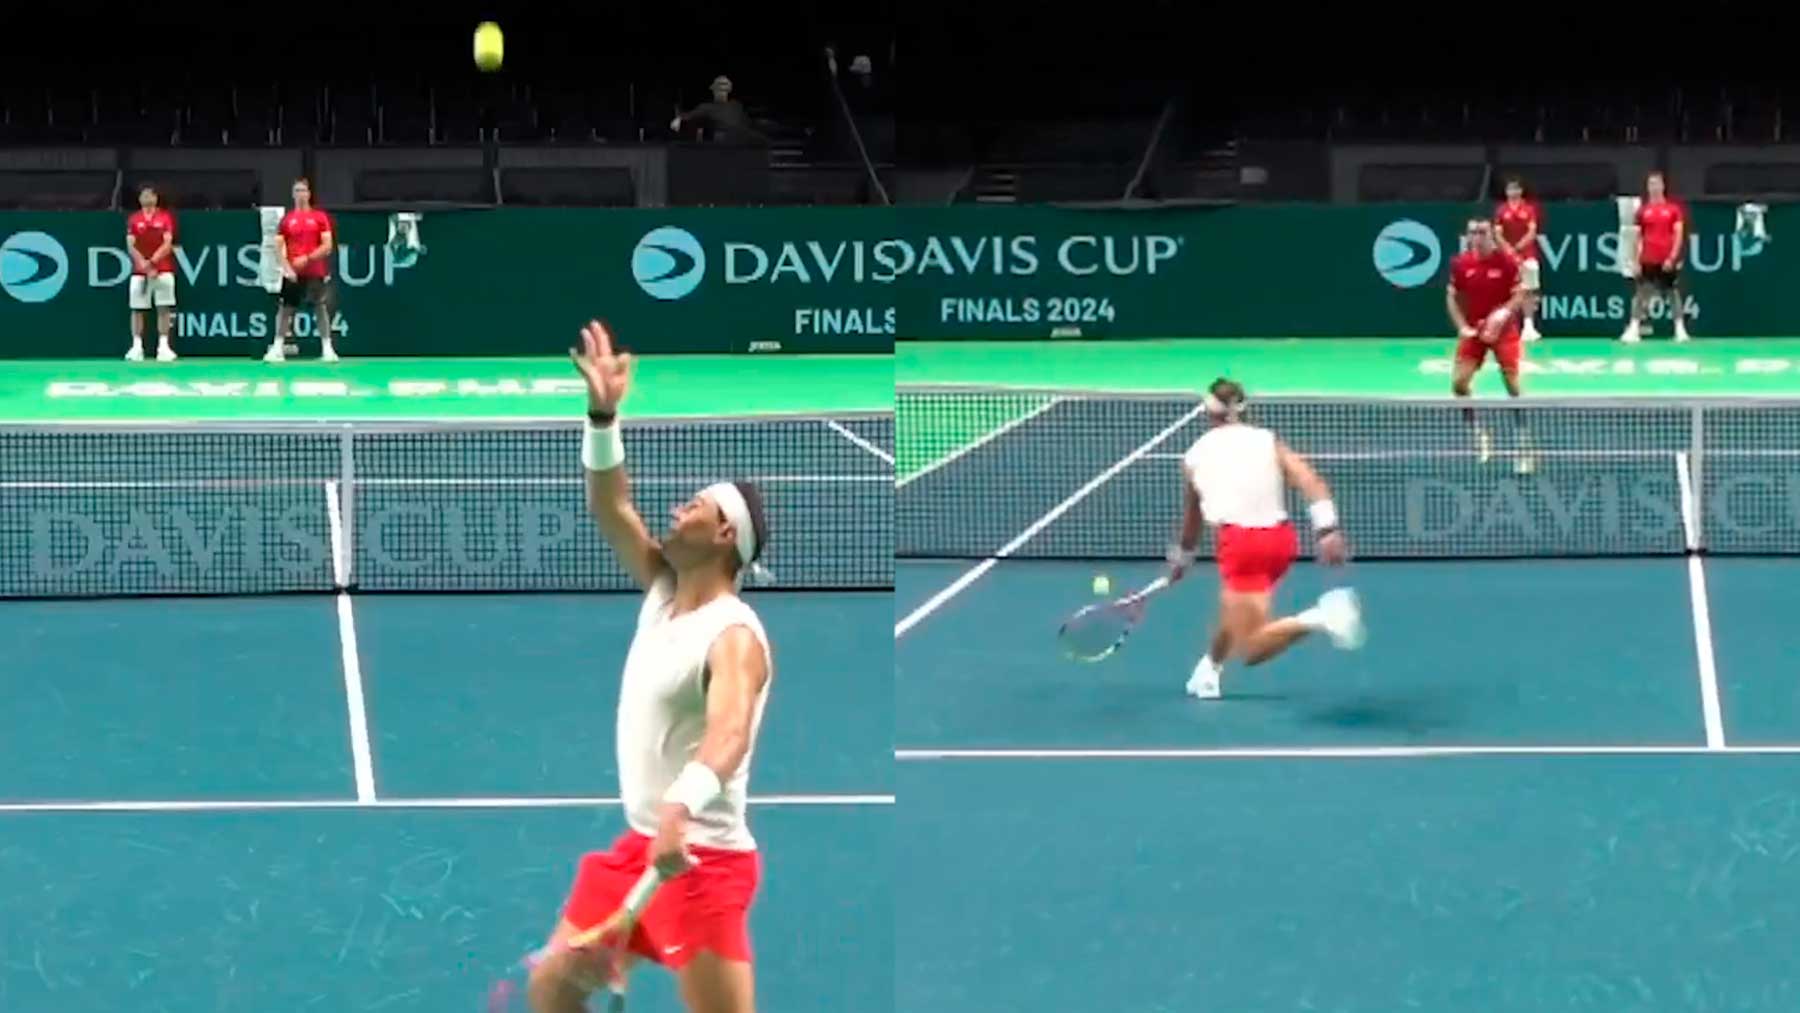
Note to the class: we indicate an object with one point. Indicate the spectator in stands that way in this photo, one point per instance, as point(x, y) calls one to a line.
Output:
point(725, 116)
point(150, 239)
point(304, 243)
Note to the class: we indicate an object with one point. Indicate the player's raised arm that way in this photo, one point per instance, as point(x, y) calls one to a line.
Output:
point(603, 456)
point(1320, 508)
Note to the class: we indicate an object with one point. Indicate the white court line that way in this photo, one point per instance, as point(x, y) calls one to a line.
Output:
point(937, 600)
point(981, 441)
point(859, 441)
point(1710, 706)
point(277, 805)
point(1338, 752)
point(361, 756)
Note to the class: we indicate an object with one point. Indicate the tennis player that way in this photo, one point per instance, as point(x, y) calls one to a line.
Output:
point(1484, 299)
point(304, 243)
point(1520, 222)
point(691, 700)
point(1235, 478)
point(150, 239)
point(1662, 232)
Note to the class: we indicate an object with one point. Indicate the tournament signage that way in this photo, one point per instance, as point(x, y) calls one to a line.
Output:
point(517, 281)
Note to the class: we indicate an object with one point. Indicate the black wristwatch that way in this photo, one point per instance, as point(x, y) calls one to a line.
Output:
point(601, 418)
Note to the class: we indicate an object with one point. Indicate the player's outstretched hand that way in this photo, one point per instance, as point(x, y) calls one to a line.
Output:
point(607, 375)
point(1333, 551)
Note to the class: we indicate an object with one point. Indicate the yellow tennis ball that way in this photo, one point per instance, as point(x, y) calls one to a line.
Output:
point(1102, 586)
point(490, 48)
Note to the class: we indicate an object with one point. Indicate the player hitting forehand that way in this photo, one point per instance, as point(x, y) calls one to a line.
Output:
point(1235, 477)
point(691, 700)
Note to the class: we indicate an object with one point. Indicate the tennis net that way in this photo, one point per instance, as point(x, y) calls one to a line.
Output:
point(249, 508)
point(1080, 475)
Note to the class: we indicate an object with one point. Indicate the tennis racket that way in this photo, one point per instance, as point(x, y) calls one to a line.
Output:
point(508, 994)
point(1098, 630)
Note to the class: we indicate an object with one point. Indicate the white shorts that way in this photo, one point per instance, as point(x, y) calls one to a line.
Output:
point(163, 291)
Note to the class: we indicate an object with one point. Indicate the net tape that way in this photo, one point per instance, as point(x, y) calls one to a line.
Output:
point(1059, 475)
point(243, 509)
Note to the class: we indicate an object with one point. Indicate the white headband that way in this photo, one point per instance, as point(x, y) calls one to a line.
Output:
point(1218, 407)
point(737, 511)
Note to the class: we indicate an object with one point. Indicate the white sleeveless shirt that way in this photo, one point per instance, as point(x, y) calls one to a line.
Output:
point(662, 714)
point(1237, 475)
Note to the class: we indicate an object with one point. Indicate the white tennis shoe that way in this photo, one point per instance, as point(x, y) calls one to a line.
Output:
point(1341, 611)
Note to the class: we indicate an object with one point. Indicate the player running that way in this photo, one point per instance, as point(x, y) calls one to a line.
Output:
point(1235, 478)
point(1520, 222)
point(691, 700)
point(150, 239)
point(1662, 236)
point(1483, 298)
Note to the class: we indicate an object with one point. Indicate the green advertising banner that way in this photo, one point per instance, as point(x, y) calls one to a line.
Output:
point(499, 282)
point(519, 281)
point(1298, 270)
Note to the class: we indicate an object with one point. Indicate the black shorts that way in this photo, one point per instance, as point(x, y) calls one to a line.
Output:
point(1658, 277)
point(321, 292)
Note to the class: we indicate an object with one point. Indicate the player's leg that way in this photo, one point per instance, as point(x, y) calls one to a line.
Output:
point(713, 964)
point(1509, 355)
point(285, 305)
point(1203, 681)
point(325, 314)
point(1640, 302)
point(1678, 304)
point(1470, 353)
point(163, 294)
point(138, 297)
point(709, 983)
point(565, 980)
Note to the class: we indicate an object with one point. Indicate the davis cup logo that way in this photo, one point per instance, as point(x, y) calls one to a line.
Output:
point(1407, 253)
point(668, 263)
point(33, 266)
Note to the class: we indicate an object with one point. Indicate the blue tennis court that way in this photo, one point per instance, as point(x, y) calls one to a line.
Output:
point(1512, 798)
point(376, 801)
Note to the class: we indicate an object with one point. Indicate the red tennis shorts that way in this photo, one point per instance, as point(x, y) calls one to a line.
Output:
point(1255, 559)
point(1507, 350)
point(704, 908)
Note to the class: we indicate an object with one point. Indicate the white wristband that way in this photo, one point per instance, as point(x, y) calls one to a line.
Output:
point(695, 788)
point(1324, 515)
point(602, 448)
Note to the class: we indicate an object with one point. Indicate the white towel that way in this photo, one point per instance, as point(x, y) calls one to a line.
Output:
point(269, 267)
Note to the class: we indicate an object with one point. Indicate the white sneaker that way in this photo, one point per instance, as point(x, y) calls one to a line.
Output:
point(1484, 445)
point(1681, 333)
point(1204, 686)
point(1531, 331)
point(1342, 612)
point(135, 354)
point(1630, 335)
point(165, 354)
point(275, 354)
point(1204, 683)
point(328, 355)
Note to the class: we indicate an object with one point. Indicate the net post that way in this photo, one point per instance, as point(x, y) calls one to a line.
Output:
point(347, 499)
point(1697, 474)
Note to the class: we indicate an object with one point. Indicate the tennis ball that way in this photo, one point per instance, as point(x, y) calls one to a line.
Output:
point(489, 46)
point(1102, 586)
